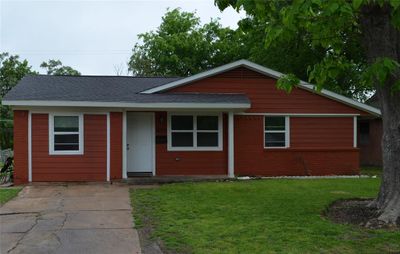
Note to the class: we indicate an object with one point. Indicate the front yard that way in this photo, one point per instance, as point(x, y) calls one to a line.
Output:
point(261, 216)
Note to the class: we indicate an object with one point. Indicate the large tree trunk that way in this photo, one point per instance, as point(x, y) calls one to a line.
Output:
point(382, 39)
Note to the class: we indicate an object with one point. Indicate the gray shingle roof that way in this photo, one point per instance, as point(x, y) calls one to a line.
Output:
point(107, 89)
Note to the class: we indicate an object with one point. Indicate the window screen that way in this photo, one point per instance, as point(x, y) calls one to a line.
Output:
point(275, 131)
point(66, 133)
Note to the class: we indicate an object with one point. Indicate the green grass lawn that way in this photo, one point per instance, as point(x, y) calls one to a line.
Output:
point(262, 216)
point(7, 194)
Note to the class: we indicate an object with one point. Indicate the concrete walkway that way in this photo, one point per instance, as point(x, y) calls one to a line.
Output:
point(73, 218)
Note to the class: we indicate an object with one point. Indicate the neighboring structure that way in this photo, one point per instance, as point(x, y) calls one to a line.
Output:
point(370, 137)
point(231, 120)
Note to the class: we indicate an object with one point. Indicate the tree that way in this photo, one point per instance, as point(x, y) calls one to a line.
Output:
point(296, 54)
point(12, 70)
point(181, 46)
point(55, 67)
point(329, 23)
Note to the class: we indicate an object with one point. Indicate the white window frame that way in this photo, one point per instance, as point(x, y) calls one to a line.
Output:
point(195, 131)
point(52, 133)
point(286, 131)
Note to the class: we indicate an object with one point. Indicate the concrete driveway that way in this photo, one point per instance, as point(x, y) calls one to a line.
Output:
point(72, 218)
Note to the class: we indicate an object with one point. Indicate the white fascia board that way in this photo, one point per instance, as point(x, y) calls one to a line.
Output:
point(268, 72)
point(32, 103)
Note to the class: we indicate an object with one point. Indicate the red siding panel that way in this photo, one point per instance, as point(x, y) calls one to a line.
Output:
point(321, 132)
point(188, 162)
point(264, 95)
point(317, 158)
point(20, 146)
point(115, 145)
point(91, 166)
point(241, 73)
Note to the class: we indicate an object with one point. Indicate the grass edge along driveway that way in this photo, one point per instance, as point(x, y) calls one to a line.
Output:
point(7, 194)
point(261, 216)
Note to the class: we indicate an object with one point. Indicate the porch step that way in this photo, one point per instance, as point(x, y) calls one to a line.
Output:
point(173, 179)
point(139, 174)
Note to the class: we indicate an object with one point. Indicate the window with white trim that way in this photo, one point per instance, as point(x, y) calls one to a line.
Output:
point(195, 132)
point(66, 134)
point(276, 131)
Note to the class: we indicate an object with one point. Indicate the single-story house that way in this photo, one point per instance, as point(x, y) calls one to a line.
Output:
point(230, 120)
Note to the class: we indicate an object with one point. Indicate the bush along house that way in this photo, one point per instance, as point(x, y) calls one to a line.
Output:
point(228, 121)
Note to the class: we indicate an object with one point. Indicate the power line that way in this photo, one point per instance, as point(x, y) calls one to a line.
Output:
point(70, 52)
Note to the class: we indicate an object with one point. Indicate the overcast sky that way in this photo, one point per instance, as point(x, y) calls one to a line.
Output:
point(94, 37)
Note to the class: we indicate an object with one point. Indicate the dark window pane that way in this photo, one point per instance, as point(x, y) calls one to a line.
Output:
point(364, 128)
point(63, 147)
point(364, 133)
point(66, 123)
point(207, 122)
point(207, 139)
point(182, 139)
point(275, 139)
point(69, 139)
point(275, 123)
point(69, 142)
point(182, 122)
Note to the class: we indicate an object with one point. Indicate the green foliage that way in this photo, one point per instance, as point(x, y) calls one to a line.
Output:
point(55, 67)
point(330, 24)
point(299, 55)
point(12, 70)
point(381, 70)
point(181, 46)
point(287, 82)
point(291, 56)
point(263, 216)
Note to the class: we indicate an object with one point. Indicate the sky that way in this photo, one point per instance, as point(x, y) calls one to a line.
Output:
point(94, 37)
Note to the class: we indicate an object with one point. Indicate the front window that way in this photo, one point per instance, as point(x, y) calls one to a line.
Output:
point(66, 134)
point(276, 132)
point(195, 132)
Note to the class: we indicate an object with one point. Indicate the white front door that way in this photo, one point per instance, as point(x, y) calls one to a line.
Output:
point(140, 142)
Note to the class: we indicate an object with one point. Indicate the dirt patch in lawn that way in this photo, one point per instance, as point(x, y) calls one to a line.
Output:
point(351, 211)
point(356, 212)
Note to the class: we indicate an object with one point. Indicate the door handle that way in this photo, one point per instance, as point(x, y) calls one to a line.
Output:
point(127, 146)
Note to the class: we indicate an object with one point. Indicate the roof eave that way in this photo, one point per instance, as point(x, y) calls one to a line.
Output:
point(157, 105)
